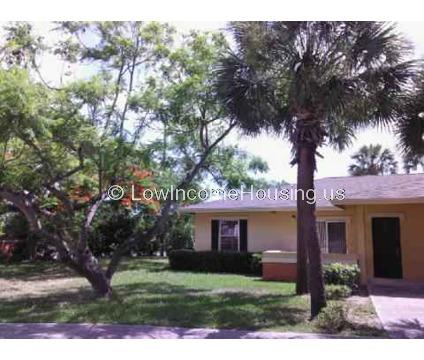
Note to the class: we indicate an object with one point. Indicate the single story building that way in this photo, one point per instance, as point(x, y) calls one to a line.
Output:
point(379, 224)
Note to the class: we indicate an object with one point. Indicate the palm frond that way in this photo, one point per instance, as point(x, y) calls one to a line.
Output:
point(410, 127)
point(248, 96)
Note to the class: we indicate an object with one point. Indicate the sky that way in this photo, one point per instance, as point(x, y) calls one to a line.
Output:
point(275, 151)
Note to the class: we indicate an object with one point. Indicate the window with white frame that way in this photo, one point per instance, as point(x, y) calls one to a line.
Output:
point(229, 235)
point(332, 236)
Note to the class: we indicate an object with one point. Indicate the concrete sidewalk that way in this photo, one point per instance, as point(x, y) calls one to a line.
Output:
point(114, 331)
point(400, 306)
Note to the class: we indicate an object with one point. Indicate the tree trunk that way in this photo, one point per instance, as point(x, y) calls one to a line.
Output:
point(88, 266)
point(162, 245)
point(31, 246)
point(84, 263)
point(307, 225)
point(302, 259)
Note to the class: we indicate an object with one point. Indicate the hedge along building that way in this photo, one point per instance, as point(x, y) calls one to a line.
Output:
point(378, 224)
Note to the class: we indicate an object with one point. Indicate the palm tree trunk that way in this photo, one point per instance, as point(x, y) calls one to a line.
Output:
point(302, 258)
point(307, 236)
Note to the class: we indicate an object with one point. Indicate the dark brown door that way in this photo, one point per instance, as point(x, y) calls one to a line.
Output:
point(387, 252)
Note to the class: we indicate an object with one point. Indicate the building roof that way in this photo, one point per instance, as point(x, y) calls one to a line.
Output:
point(388, 189)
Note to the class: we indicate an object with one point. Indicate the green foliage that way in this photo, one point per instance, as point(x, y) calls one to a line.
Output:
point(111, 41)
point(342, 274)
point(38, 137)
point(21, 46)
point(112, 226)
point(180, 233)
point(373, 160)
point(337, 292)
point(21, 103)
point(185, 105)
point(233, 168)
point(332, 319)
point(115, 224)
point(214, 261)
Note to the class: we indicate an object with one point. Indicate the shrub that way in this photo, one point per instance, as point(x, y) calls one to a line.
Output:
point(332, 318)
point(180, 233)
point(342, 274)
point(337, 292)
point(214, 261)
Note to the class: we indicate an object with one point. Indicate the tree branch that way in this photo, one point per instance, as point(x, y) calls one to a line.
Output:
point(168, 209)
point(89, 217)
point(23, 203)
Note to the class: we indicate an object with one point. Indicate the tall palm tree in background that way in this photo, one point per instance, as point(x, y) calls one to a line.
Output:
point(314, 83)
point(412, 163)
point(373, 160)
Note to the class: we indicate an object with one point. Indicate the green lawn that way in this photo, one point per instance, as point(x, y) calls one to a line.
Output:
point(147, 292)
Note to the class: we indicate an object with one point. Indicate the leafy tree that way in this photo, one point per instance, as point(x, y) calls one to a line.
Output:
point(373, 160)
point(315, 83)
point(63, 147)
point(51, 170)
point(21, 47)
point(180, 234)
point(233, 168)
point(181, 101)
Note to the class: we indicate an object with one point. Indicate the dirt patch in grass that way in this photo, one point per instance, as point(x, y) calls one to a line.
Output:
point(362, 316)
point(17, 289)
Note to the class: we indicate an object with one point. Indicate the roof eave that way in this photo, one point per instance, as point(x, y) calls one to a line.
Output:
point(252, 209)
point(379, 201)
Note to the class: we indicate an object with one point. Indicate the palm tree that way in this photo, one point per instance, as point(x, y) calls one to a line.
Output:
point(372, 160)
point(410, 128)
point(412, 162)
point(314, 83)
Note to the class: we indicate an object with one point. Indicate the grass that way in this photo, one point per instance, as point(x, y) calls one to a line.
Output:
point(147, 292)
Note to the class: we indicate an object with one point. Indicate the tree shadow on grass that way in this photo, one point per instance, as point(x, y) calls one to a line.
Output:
point(49, 270)
point(144, 263)
point(35, 270)
point(163, 304)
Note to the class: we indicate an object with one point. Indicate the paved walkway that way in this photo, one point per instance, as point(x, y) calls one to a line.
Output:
point(400, 307)
point(112, 331)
